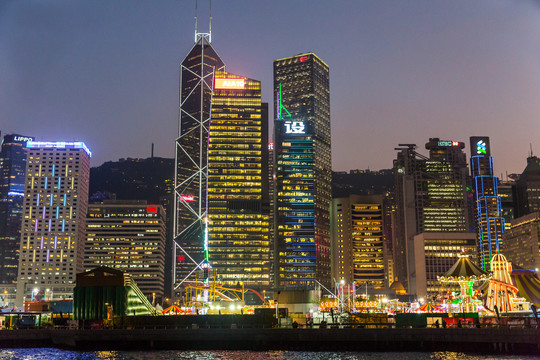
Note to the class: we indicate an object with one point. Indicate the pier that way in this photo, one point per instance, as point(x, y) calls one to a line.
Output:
point(484, 340)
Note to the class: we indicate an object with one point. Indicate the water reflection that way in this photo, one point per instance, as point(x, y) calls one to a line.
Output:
point(50, 354)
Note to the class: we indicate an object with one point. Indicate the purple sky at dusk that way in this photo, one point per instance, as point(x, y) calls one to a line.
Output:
point(106, 72)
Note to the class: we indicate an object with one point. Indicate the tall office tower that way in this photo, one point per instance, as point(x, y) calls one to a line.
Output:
point(507, 195)
point(528, 188)
point(54, 213)
point(521, 243)
point(358, 253)
point(271, 210)
point(128, 236)
point(430, 196)
point(197, 73)
point(303, 171)
point(238, 244)
point(12, 171)
point(489, 220)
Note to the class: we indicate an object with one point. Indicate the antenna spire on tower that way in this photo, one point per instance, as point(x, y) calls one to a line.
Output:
point(195, 20)
point(210, 24)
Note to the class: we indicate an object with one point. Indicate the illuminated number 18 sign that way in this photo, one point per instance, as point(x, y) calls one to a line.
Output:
point(295, 127)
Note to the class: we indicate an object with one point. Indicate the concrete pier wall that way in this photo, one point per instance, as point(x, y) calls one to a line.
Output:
point(491, 340)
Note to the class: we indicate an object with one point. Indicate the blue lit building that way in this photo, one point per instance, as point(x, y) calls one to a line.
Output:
point(54, 214)
point(303, 172)
point(489, 219)
point(12, 171)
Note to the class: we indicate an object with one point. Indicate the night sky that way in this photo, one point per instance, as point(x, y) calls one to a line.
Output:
point(106, 72)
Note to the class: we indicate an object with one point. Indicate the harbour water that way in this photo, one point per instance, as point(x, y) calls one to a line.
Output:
point(51, 353)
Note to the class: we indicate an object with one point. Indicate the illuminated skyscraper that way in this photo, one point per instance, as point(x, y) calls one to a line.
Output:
point(197, 73)
point(238, 243)
point(489, 219)
point(430, 196)
point(528, 188)
point(12, 171)
point(358, 253)
point(54, 213)
point(303, 171)
point(128, 236)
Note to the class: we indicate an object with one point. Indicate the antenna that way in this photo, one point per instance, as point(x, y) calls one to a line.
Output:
point(530, 144)
point(195, 20)
point(210, 24)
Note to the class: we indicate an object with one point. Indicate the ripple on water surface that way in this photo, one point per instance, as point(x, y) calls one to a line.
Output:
point(49, 353)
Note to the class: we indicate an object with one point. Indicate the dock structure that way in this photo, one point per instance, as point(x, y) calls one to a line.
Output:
point(484, 340)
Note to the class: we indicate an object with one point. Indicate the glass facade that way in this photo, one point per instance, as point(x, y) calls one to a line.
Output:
point(489, 219)
point(431, 196)
point(190, 222)
point(303, 171)
point(12, 177)
point(238, 228)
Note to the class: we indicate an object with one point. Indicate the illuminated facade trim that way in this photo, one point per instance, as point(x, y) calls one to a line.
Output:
point(489, 219)
point(191, 172)
point(54, 214)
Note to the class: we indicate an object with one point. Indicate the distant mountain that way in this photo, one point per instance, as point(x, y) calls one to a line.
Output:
point(362, 182)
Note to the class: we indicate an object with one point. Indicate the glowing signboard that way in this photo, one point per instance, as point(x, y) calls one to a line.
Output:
point(480, 146)
point(303, 58)
point(295, 127)
point(151, 209)
point(22, 138)
point(229, 84)
point(187, 198)
point(448, 143)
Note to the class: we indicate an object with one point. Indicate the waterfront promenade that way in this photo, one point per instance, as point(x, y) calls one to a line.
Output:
point(484, 340)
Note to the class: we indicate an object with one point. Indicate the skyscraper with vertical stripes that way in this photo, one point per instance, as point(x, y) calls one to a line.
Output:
point(54, 214)
point(489, 219)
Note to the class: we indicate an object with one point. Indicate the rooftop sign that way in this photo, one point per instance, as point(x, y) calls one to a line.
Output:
point(58, 145)
point(229, 84)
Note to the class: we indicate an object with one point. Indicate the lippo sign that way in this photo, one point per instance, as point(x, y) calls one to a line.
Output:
point(229, 84)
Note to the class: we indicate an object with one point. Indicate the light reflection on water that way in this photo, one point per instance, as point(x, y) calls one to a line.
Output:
point(50, 354)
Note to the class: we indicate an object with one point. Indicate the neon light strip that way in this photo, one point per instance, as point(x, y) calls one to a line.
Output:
point(42, 242)
point(15, 193)
point(43, 213)
point(50, 222)
point(35, 227)
point(58, 145)
point(53, 170)
point(55, 241)
point(48, 254)
point(57, 209)
point(37, 200)
point(63, 224)
point(51, 200)
point(65, 197)
point(46, 182)
point(59, 182)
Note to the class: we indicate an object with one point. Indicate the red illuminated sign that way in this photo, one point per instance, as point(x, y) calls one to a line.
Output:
point(455, 143)
point(187, 198)
point(151, 209)
point(229, 84)
point(303, 58)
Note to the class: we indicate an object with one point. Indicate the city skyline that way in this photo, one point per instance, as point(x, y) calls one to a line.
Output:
point(107, 73)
